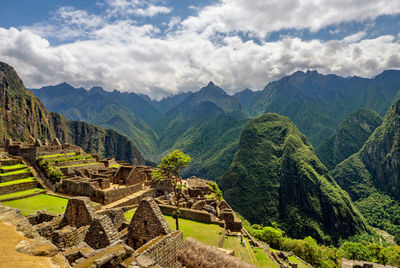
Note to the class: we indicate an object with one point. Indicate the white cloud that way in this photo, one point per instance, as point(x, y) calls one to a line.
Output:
point(263, 17)
point(135, 7)
point(127, 56)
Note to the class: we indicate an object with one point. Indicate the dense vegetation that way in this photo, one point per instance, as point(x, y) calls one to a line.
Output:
point(207, 124)
point(323, 256)
point(318, 103)
point(371, 176)
point(276, 177)
point(348, 138)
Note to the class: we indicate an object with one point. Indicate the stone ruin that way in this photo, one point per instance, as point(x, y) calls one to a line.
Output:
point(35, 148)
point(197, 205)
point(86, 238)
point(147, 223)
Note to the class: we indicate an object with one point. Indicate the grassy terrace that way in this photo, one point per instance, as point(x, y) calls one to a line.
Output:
point(25, 170)
point(210, 235)
point(13, 167)
point(29, 179)
point(55, 155)
point(79, 165)
point(21, 193)
point(30, 205)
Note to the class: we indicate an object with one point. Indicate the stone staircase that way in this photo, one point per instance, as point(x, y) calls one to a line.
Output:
point(16, 180)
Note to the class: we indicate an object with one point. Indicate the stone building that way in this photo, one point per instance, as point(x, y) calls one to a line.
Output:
point(146, 224)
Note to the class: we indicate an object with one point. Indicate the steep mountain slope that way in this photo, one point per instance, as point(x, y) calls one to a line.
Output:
point(23, 115)
point(104, 109)
point(276, 177)
point(348, 138)
point(371, 176)
point(317, 103)
point(247, 98)
point(206, 125)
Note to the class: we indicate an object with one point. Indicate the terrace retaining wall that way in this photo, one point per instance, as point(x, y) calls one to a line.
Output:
point(14, 177)
point(9, 189)
point(186, 213)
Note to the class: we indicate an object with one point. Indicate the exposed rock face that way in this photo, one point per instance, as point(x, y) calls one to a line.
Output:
point(146, 224)
point(381, 153)
point(22, 115)
point(371, 176)
point(349, 137)
point(276, 177)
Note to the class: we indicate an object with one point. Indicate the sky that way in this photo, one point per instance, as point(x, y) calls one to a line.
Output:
point(165, 47)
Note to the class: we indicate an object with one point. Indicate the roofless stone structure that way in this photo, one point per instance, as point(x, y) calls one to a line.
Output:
point(146, 224)
point(79, 212)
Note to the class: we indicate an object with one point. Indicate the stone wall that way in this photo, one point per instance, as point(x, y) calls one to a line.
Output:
point(69, 236)
point(189, 214)
point(164, 250)
point(18, 187)
point(146, 224)
point(80, 187)
point(70, 170)
point(75, 162)
point(14, 177)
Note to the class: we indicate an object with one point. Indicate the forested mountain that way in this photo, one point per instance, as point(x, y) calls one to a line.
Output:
point(318, 103)
point(348, 138)
point(371, 176)
point(276, 177)
point(23, 115)
point(207, 123)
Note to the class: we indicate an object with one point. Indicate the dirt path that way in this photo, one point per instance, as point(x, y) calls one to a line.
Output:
point(9, 238)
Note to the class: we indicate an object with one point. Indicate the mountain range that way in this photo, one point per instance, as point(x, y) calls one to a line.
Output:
point(259, 146)
point(207, 123)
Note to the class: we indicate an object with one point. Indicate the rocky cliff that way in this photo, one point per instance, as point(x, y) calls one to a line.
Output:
point(276, 177)
point(349, 137)
point(371, 176)
point(23, 115)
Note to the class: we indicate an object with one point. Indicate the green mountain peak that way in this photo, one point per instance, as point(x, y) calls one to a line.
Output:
point(276, 177)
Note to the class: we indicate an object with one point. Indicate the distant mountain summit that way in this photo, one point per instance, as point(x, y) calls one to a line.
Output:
point(318, 103)
point(276, 177)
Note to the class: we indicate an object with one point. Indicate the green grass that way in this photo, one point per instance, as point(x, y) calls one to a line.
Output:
point(30, 205)
point(263, 259)
point(29, 179)
point(13, 167)
point(232, 242)
point(88, 164)
point(15, 172)
point(300, 264)
point(54, 155)
point(206, 233)
point(21, 193)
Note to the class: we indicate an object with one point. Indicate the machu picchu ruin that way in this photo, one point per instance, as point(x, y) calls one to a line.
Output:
point(90, 228)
